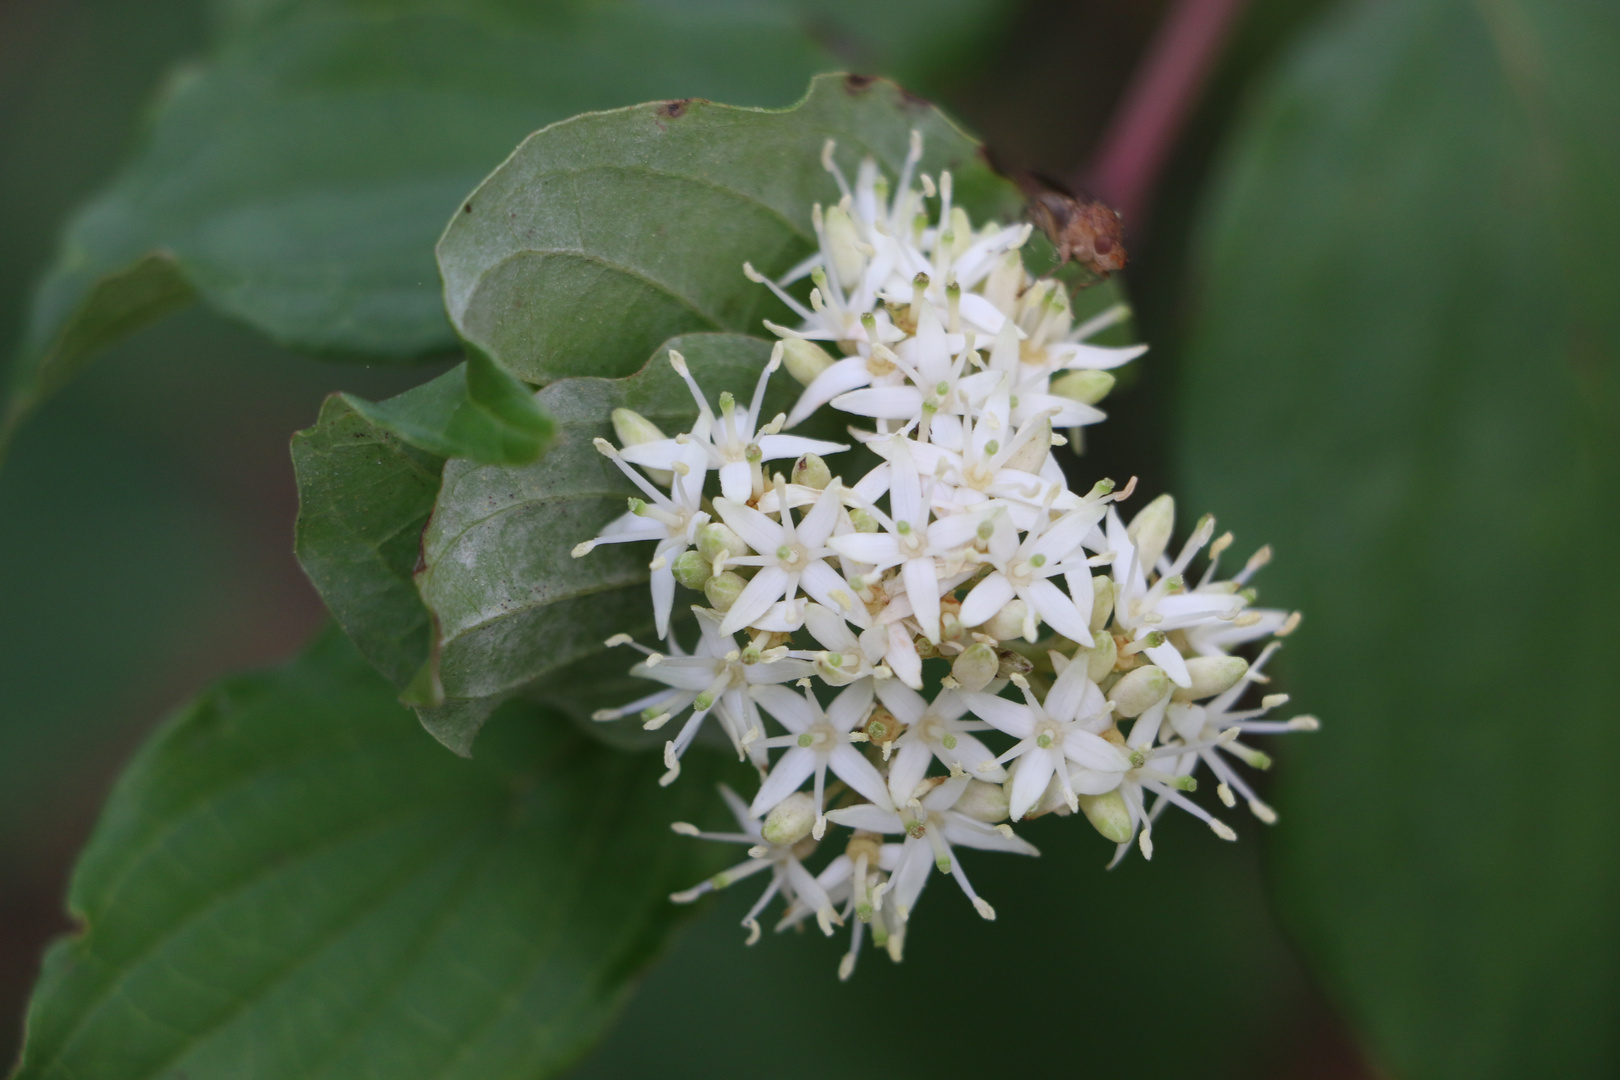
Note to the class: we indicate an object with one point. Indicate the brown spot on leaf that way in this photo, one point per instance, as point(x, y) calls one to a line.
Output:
point(466, 207)
point(914, 101)
point(857, 84)
point(674, 109)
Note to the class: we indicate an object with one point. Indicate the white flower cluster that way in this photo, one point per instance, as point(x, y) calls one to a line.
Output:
point(1075, 643)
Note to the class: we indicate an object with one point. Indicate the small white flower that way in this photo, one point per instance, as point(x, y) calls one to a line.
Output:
point(910, 541)
point(1059, 737)
point(844, 657)
point(817, 741)
point(671, 520)
point(790, 557)
point(716, 677)
point(934, 730)
point(784, 860)
point(733, 443)
point(1024, 569)
point(933, 829)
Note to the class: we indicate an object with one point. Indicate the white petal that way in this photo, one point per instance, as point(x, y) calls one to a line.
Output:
point(907, 705)
point(853, 769)
point(975, 757)
point(868, 818)
point(736, 481)
point(792, 770)
point(1028, 785)
point(907, 768)
point(1009, 716)
point(829, 588)
point(882, 402)
point(988, 597)
point(776, 447)
point(757, 531)
point(763, 589)
point(881, 550)
point(851, 705)
point(789, 707)
point(843, 376)
point(922, 588)
point(830, 630)
point(1093, 752)
point(1057, 610)
point(1168, 657)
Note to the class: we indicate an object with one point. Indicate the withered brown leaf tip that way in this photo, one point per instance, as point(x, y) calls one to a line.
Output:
point(1085, 230)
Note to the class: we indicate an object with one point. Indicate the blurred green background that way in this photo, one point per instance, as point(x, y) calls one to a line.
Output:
point(146, 522)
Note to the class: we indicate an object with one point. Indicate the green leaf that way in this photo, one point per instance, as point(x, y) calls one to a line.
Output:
point(364, 496)
point(291, 881)
point(475, 410)
point(603, 235)
point(298, 178)
point(1406, 374)
point(511, 603)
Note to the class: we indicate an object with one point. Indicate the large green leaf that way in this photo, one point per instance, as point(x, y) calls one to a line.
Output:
point(601, 236)
point(298, 179)
point(511, 603)
point(291, 882)
point(1406, 372)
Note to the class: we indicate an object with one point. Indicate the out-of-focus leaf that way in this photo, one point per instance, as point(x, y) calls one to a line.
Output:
point(364, 496)
point(291, 881)
point(603, 235)
point(474, 411)
point(298, 179)
point(1406, 372)
point(511, 603)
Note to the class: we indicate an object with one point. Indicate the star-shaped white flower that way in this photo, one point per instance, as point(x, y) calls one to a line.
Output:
point(790, 557)
point(715, 677)
point(934, 730)
point(817, 740)
point(909, 540)
point(785, 862)
point(1024, 569)
point(672, 521)
point(1059, 737)
point(733, 443)
point(933, 829)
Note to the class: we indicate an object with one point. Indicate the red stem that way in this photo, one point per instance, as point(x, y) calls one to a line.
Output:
point(1167, 82)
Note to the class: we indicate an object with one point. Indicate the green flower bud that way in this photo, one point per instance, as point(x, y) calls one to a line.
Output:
point(633, 429)
point(975, 667)
point(863, 521)
point(722, 590)
point(812, 472)
point(983, 802)
point(1102, 602)
point(842, 239)
point(1150, 530)
point(791, 820)
point(716, 541)
point(1140, 690)
point(1086, 387)
point(1108, 814)
point(692, 569)
point(804, 360)
point(1212, 675)
point(1100, 658)
point(1007, 623)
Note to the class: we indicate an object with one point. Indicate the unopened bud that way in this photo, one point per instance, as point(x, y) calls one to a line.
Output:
point(723, 588)
point(1102, 602)
point(1108, 814)
point(843, 239)
point(812, 472)
point(1012, 663)
point(1100, 658)
point(1007, 623)
point(717, 541)
point(693, 570)
point(791, 820)
point(1086, 387)
point(975, 667)
point(982, 801)
point(804, 360)
point(1032, 455)
point(1212, 675)
point(863, 522)
point(1140, 690)
point(1150, 531)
